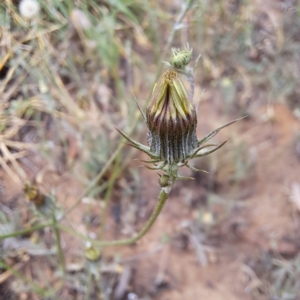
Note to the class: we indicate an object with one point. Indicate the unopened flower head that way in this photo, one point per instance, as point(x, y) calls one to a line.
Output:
point(29, 8)
point(181, 58)
point(171, 119)
point(33, 194)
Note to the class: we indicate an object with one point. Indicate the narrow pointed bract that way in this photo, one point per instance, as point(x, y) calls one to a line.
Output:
point(171, 119)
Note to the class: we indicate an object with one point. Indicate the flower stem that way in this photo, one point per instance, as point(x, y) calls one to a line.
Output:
point(163, 197)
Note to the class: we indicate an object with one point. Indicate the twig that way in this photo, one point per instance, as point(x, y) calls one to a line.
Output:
point(10, 157)
point(10, 172)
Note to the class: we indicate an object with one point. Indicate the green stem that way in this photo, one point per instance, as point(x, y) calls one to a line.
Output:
point(163, 197)
point(89, 283)
point(25, 231)
point(60, 253)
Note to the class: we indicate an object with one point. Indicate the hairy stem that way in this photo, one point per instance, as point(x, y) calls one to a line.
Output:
point(163, 197)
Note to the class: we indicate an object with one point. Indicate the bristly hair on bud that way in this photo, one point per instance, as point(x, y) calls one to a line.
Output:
point(171, 119)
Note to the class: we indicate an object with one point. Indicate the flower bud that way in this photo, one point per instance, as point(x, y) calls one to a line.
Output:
point(33, 194)
point(92, 253)
point(171, 119)
point(180, 58)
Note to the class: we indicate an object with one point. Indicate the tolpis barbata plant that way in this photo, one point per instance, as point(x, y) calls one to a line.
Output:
point(172, 121)
point(171, 118)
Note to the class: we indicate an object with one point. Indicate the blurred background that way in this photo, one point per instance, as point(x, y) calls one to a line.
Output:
point(69, 73)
